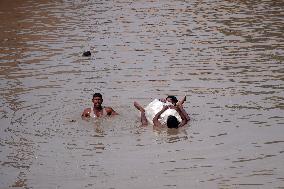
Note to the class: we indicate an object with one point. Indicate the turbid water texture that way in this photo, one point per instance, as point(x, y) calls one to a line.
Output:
point(226, 56)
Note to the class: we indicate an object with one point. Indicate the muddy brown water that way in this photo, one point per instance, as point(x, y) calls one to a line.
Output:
point(226, 56)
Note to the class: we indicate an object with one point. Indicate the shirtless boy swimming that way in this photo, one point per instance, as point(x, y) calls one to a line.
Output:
point(98, 110)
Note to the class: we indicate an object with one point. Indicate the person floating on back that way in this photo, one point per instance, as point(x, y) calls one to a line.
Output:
point(98, 110)
point(167, 111)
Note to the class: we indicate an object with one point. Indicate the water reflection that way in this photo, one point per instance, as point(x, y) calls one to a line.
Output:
point(175, 136)
point(170, 135)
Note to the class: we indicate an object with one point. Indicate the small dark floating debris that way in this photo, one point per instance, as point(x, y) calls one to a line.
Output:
point(87, 53)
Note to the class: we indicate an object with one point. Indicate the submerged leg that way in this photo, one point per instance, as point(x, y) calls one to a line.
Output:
point(143, 116)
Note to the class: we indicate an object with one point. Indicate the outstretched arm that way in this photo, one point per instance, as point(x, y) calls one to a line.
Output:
point(184, 112)
point(157, 116)
point(144, 120)
point(184, 116)
point(181, 101)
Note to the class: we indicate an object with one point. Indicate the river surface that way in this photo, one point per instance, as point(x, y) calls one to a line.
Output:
point(226, 56)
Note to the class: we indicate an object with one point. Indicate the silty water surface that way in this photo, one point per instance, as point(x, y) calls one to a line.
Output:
point(226, 56)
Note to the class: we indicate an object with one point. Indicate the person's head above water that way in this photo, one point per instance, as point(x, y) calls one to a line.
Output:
point(98, 110)
point(172, 99)
point(97, 100)
point(97, 95)
point(172, 122)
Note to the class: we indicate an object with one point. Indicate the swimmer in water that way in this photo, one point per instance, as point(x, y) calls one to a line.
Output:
point(170, 104)
point(98, 110)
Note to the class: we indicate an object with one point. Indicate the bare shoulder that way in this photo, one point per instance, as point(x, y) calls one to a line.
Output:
point(86, 112)
point(110, 111)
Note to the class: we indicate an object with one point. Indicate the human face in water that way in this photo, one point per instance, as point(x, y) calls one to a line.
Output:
point(97, 102)
point(170, 100)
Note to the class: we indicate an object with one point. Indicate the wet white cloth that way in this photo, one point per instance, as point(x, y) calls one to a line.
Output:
point(155, 106)
point(93, 115)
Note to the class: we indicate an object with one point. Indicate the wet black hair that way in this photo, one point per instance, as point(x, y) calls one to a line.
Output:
point(172, 122)
point(98, 95)
point(174, 99)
